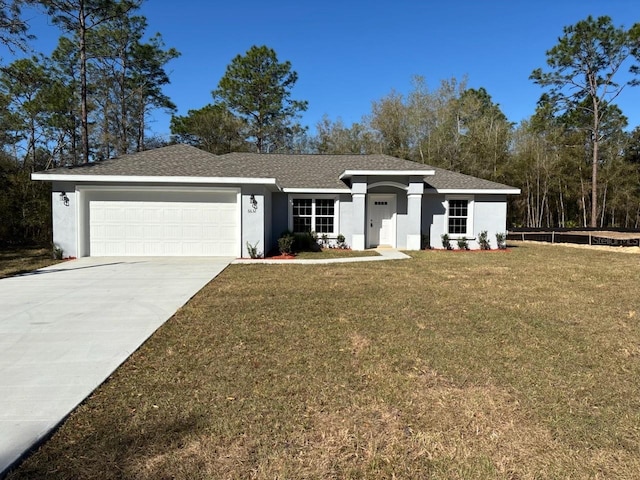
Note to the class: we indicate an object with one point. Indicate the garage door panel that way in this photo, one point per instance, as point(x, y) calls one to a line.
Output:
point(133, 249)
point(133, 216)
point(192, 216)
point(152, 250)
point(142, 225)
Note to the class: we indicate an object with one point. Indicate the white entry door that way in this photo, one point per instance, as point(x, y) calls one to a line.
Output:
point(382, 220)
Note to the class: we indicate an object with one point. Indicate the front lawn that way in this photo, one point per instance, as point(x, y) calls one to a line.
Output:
point(519, 364)
point(14, 261)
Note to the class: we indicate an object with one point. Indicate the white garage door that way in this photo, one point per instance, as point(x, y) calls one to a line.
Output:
point(164, 224)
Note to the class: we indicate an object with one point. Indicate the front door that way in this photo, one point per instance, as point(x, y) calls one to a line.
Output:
point(382, 220)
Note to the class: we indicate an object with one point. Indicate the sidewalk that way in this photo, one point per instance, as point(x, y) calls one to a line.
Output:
point(383, 255)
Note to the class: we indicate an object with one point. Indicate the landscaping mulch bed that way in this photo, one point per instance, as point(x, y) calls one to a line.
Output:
point(325, 253)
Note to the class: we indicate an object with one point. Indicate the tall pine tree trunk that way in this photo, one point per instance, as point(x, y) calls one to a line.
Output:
point(84, 113)
point(594, 167)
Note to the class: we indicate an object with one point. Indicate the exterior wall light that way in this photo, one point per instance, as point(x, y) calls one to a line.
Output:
point(253, 202)
point(64, 198)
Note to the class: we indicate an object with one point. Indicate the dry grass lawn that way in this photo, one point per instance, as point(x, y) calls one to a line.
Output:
point(511, 365)
point(14, 261)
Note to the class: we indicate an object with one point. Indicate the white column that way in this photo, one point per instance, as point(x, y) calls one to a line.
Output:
point(358, 198)
point(414, 214)
point(252, 215)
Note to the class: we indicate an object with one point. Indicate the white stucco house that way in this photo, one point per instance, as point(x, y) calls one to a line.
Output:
point(182, 201)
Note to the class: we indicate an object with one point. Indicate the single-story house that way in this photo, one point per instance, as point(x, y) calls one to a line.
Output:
point(182, 201)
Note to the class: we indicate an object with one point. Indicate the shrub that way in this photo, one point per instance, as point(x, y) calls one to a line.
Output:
point(324, 240)
point(463, 244)
point(571, 224)
point(501, 240)
point(446, 243)
point(305, 242)
point(302, 241)
point(426, 244)
point(58, 252)
point(483, 240)
point(253, 250)
point(285, 244)
point(341, 241)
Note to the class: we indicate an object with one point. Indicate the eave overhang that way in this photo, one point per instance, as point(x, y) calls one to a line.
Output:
point(316, 190)
point(176, 180)
point(386, 173)
point(474, 191)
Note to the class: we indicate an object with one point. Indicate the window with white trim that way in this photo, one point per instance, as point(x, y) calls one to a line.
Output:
point(314, 215)
point(459, 217)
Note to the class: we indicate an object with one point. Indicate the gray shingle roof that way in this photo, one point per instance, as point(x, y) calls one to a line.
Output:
point(446, 180)
point(290, 171)
point(171, 161)
point(315, 171)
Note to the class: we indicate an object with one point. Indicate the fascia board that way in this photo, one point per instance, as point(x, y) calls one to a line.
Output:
point(316, 190)
point(476, 191)
point(410, 173)
point(151, 179)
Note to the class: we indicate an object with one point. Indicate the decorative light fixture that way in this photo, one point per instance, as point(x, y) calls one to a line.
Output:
point(64, 198)
point(253, 202)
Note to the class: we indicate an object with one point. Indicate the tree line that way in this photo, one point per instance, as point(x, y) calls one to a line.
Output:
point(575, 159)
point(87, 101)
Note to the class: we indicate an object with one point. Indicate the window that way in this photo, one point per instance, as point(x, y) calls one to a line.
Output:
point(302, 215)
point(324, 216)
point(459, 214)
point(314, 215)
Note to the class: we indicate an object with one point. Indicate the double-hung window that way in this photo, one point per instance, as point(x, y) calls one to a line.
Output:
point(302, 215)
point(459, 217)
point(314, 215)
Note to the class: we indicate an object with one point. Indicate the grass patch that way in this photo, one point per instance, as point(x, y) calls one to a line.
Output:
point(335, 253)
point(14, 261)
point(522, 364)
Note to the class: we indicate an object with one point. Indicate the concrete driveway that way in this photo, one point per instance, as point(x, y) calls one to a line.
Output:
point(64, 329)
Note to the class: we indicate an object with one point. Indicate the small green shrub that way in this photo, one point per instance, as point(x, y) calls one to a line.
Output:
point(324, 240)
point(253, 250)
point(463, 244)
point(446, 242)
point(58, 252)
point(571, 224)
point(285, 244)
point(302, 241)
point(341, 242)
point(501, 241)
point(426, 243)
point(483, 240)
point(305, 242)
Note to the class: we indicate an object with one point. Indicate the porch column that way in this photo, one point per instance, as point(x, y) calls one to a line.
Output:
point(414, 213)
point(358, 199)
point(252, 217)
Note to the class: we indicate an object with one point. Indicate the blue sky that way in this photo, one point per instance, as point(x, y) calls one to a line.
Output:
point(350, 53)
